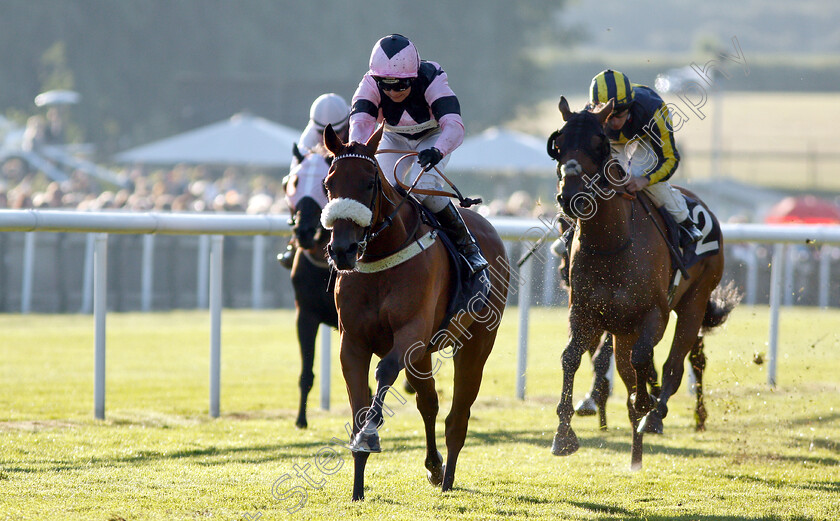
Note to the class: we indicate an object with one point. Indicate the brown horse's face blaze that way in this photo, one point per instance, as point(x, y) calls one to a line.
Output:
point(352, 190)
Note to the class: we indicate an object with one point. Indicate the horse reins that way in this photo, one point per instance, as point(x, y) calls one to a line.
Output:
point(465, 202)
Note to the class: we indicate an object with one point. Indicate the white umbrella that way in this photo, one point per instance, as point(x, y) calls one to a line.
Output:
point(498, 149)
point(243, 140)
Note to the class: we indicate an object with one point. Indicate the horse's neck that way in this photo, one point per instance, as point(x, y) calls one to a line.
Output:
point(610, 228)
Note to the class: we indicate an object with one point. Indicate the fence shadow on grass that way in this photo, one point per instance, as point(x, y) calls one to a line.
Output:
point(539, 438)
point(222, 456)
point(628, 515)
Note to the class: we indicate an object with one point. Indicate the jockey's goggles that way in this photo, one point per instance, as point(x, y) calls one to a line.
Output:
point(395, 84)
point(620, 112)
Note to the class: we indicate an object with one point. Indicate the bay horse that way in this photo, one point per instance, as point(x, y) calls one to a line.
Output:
point(392, 304)
point(620, 273)
point(310, 273)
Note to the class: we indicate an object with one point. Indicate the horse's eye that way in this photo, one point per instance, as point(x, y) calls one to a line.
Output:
point(370, 184)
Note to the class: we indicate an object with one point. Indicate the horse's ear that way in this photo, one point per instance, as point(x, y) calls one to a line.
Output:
point(296, 153)
point(564, 108)
point(604, 112)
point(331, 140)
point(373, 141)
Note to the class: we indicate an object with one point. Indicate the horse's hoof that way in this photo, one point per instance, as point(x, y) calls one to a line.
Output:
point(434, 470)
point(651, 424)
point(586, 407)
point(436, 478)
point(447, 485)
point(636, 466)
point(565, 445)
point(700, 419)
point(365, 441)
point(301, 424)
point(641, 402)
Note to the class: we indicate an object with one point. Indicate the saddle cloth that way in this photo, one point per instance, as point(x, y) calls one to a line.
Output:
point(708, 245)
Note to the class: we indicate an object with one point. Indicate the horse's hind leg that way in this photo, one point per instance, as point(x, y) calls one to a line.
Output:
point(307, 328)
point(419, 375)
point(690, 316)
point(697, 357)
point(469, 367)
point(641, 357)
point(596, 398)
point(623, 345)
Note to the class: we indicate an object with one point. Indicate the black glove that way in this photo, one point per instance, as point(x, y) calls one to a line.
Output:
point(429, 158)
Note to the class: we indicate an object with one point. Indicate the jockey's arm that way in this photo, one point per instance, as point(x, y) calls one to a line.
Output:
point(446, 109)
point(662, 142)
point(364, 111)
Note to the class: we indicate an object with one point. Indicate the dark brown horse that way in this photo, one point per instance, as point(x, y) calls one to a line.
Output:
point(396, 312)
point(314, 301)
point(620, 274)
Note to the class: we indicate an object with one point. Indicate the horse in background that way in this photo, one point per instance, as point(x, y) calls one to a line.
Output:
point(310, 273)
point(621, 273)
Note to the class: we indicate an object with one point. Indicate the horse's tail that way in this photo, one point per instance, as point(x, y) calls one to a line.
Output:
point(722, 301)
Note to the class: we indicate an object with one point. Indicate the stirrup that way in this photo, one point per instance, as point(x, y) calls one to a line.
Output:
point(689, 232)
point(471, 253)
point(286, 258)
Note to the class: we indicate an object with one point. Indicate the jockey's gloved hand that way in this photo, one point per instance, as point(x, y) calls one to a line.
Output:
point(429, 158)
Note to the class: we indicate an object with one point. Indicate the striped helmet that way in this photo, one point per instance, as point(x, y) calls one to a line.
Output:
point(394, 56)
point(610, 84)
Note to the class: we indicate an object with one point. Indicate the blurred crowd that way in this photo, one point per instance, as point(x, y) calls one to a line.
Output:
point(183, 188)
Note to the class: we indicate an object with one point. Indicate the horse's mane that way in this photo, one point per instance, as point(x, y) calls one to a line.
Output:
point(581, 124)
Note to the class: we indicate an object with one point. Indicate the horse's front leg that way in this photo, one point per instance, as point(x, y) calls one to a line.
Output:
point(581, 339)
point(355, 364)
point(386, 374)
point(307, 329)
point(641, 357)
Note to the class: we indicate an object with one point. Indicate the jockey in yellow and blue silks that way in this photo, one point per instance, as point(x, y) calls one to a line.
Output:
point(641, 134)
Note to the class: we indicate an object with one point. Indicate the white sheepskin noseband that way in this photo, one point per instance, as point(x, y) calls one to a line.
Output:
point(572, 167)
point(344, 208)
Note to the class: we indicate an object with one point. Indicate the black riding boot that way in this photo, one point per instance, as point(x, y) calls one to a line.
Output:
point(689, 234)
point(455, 228)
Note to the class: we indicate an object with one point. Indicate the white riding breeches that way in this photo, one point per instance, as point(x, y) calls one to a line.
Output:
point(408, 169)
point(637, 163)
point(665, 195)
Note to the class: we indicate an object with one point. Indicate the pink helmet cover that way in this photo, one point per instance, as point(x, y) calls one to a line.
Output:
point(394, 56)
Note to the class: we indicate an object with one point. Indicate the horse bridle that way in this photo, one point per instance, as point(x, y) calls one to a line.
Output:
point(600, 157)
point(369, 233)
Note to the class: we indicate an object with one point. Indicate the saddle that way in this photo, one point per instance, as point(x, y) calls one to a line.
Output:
point(464, 286)
point(705, 247)
point(693, 253)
